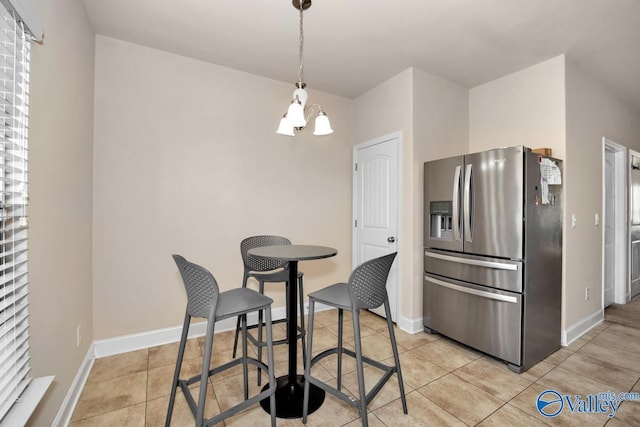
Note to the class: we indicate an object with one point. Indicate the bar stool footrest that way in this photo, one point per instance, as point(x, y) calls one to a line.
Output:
point(388, 373)
point(301, 334)
point(241, 407)
point(264, 394)
point(221, 368)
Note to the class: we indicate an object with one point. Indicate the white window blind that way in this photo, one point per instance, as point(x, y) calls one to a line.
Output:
point(14, 108)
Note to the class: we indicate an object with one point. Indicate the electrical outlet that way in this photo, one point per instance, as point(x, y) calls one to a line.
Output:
point(597, 219)
point(78, 335)
point(574, 220)
point(306, 308)
point(586, 294)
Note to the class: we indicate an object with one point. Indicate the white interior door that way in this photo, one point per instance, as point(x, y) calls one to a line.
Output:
point(609, 227)
point(376, 208)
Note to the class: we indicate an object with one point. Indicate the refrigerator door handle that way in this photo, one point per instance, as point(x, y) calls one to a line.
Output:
point(476, 262)
point(456, 207)
point(467, 204)
point(483, 294)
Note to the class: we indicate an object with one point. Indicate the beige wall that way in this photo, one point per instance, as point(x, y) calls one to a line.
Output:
point(186, 160)
point(592, 113)
point(385, 109)
point(524, 108)
point(554, 104)
point(433, 117)
point(441, 120)
point(60, 134)
point(440, 129)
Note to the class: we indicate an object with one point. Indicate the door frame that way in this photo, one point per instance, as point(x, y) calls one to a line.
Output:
point(621, 253)
point(354, 210)
point(629, 166)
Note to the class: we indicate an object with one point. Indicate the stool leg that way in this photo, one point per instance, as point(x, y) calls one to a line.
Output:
point(340, 322)
point(302, 330)
point(176, 374)
point(396, 358)
point(235, 338)
point(363, 393)
point(204, 377)
point(271, 364)
point(261, 290)
point(245, 371)
point(307, 365)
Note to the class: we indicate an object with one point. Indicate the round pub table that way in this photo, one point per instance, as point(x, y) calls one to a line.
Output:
point(290, 390)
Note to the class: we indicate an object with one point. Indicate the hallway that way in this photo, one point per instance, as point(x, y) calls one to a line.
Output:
point(627, 314)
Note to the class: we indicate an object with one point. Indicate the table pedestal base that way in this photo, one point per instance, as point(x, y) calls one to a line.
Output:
point(289, 397)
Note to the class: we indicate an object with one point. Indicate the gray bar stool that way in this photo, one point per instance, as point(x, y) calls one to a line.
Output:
point(206, 301)
point(268, 271)
point(366, 290)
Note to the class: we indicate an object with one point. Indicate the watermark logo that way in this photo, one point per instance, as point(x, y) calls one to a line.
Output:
point(551, 403)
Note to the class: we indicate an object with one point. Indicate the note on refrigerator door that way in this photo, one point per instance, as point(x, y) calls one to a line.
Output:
point(549, 175)
point(550, 171)
point(544, 189)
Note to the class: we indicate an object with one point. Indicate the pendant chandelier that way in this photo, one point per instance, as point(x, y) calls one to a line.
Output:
point(299, 112)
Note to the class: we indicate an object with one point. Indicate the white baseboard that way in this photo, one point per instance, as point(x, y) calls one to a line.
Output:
point(142, 340)
point(581, 327)
point(63, 418)
point(318, 307)
point(412, 326)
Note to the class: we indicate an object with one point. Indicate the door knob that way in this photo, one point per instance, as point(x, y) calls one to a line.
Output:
point(391, 239)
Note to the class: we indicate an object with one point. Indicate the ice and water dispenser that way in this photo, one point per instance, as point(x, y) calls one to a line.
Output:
point(441, 214)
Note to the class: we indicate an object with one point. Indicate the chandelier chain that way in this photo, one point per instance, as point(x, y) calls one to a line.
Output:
point(301, 59)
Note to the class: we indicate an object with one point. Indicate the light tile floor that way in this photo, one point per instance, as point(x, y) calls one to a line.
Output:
point(446, 384)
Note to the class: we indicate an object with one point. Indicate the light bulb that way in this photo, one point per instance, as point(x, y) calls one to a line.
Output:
point(295, 114)
point(322, 126)
point(285, 127)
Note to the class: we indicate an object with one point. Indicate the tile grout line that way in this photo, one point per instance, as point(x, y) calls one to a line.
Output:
point(500, 407)
point(426, 397)
point(527, 388)
point(470, 383)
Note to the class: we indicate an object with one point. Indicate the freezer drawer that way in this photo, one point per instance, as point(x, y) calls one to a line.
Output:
point(487, 320)
point(491, 272)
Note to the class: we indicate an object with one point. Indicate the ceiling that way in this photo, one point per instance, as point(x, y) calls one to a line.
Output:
point(352, 46)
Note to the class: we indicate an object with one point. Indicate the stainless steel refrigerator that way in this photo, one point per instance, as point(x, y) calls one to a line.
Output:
point(493, 253)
